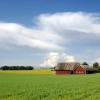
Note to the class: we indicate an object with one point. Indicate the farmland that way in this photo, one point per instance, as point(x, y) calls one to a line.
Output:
point(31, 85)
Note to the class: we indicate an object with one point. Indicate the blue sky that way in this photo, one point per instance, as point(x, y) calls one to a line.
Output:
point(44, 32)
point(23, 11)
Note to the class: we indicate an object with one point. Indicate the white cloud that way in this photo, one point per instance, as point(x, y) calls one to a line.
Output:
point(15, 34)
point(70, 59)
point(74, 21)
point(55, 57)
point(51, 60)
point(51, 30)
point(57, 32)
point(73, 27)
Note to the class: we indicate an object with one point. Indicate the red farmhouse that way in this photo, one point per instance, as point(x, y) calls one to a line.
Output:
point(70, 68)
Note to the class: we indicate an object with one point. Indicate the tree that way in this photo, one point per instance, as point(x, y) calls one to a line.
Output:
point(17, 68)
point(95, 65)
point(29, 68)
point(84, 63)
point(5, 68)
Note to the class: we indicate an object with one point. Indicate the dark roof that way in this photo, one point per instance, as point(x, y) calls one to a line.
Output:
point(67, 66)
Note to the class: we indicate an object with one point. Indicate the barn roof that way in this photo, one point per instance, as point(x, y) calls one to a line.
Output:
point(67, 66)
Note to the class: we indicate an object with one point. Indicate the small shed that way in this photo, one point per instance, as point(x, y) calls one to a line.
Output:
point(91, 70)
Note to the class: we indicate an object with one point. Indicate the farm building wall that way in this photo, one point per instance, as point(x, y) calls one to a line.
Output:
point(80, 70)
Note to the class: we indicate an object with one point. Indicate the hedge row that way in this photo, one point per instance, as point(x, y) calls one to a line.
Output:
point(17, 68)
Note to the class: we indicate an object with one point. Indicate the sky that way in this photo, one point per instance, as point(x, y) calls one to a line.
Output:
point(45, 32)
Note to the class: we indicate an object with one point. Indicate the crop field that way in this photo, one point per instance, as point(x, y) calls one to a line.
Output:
point(15, 85)
point(41, 71)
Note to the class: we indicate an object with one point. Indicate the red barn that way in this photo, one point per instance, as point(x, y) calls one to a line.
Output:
point(70, 68)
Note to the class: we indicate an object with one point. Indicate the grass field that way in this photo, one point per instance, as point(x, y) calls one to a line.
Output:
point(15, 85)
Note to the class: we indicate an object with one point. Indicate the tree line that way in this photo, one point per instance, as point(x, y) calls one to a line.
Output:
point(17, 68)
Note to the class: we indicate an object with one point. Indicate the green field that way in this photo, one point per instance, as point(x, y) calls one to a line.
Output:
point(49, 87)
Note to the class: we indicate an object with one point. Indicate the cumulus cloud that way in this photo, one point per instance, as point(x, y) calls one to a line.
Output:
point(51, 60)
point(55, 57)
